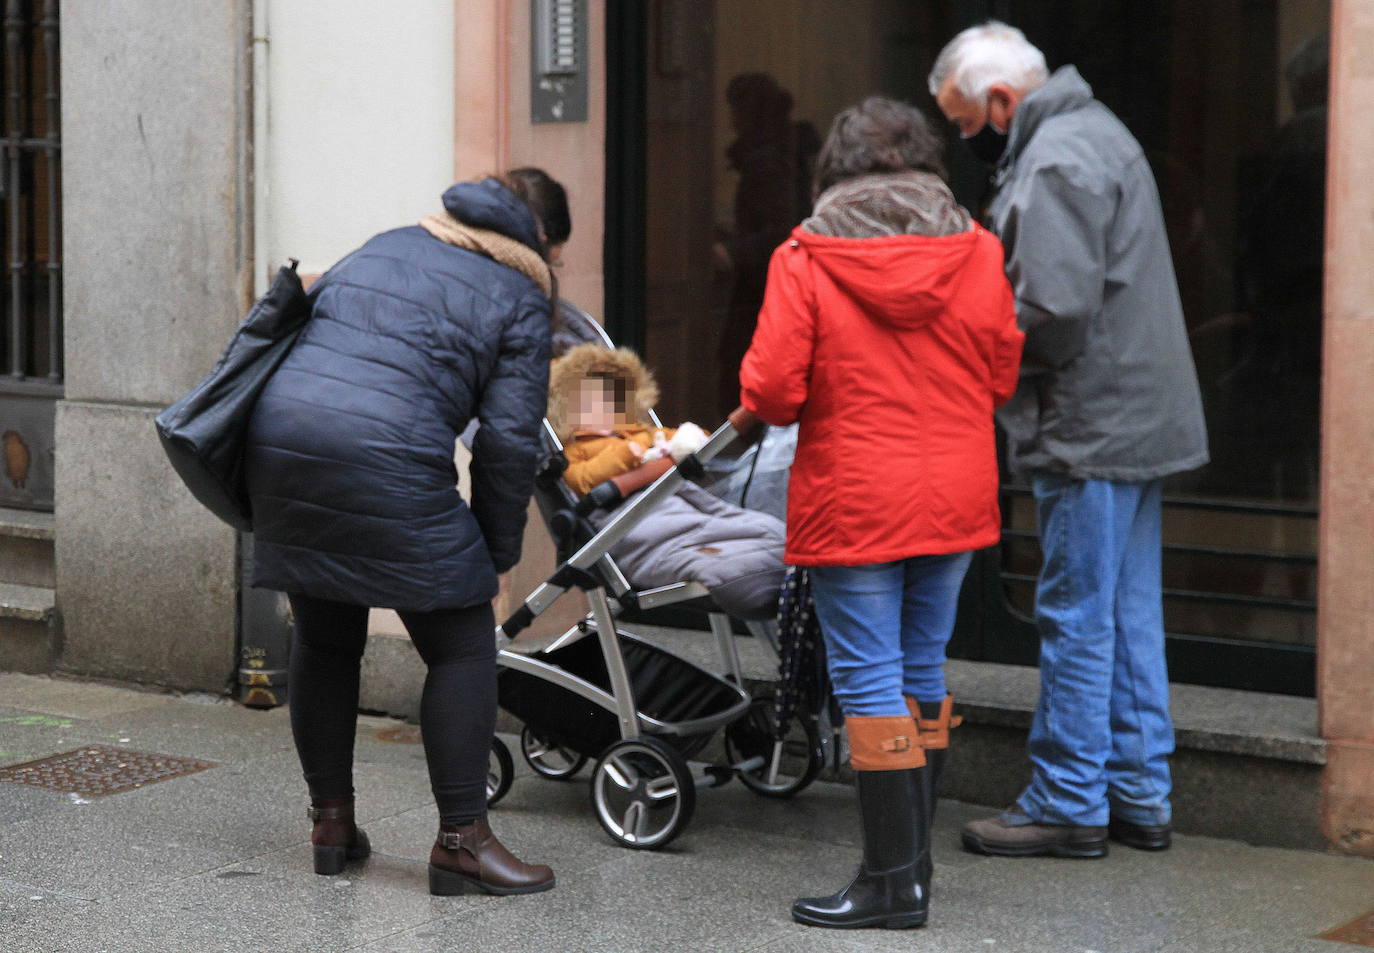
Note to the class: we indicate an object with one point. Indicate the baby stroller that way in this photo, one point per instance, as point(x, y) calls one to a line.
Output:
point(641, 712)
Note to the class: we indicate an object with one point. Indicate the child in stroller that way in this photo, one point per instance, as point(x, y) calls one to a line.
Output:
point(598, 402)
point(601, 692)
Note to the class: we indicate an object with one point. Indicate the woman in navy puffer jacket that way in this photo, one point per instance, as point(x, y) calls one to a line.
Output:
point(353, 487)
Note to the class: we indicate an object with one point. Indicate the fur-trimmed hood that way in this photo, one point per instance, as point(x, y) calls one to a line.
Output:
point(586, 359)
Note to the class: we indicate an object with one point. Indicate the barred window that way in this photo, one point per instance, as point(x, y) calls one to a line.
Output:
point(31, 195)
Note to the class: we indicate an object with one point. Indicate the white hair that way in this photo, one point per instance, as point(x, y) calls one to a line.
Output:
point(982, 56)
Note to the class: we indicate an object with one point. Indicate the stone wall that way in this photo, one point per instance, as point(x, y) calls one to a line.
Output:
point(157, 227)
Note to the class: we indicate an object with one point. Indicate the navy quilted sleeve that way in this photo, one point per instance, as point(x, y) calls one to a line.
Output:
point(506, 449)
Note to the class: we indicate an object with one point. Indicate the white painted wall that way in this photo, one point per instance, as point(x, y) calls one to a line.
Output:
point(353, 123)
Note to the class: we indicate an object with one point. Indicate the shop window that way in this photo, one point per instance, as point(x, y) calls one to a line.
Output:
point(1229, 101)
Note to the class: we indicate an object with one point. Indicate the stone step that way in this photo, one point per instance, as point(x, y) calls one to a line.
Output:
point(26, 603)
point(27, 524)
point(27, 633)
point(1248, 765)
point(26, 548)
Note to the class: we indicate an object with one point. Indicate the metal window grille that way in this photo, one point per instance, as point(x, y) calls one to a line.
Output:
point(31, 199)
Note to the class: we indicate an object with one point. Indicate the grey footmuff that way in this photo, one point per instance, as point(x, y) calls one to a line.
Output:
point(694, 536)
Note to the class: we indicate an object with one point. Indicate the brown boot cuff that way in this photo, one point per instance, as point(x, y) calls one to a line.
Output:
point(884, 744)
point(935, 731)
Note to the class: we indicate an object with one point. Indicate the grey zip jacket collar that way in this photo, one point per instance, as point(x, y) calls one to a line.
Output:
point(1108, 388)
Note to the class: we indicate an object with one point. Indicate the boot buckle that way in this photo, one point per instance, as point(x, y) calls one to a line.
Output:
point(317, 814)
point(450, 840)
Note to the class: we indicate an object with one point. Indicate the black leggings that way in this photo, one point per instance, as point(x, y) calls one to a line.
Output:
point(457, 709)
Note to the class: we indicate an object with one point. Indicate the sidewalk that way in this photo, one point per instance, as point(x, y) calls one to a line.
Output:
point(217, 861)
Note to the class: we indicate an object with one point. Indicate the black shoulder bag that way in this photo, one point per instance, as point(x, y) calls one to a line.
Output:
point(204, 433)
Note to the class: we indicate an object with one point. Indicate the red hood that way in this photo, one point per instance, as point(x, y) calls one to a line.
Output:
point(904, 280)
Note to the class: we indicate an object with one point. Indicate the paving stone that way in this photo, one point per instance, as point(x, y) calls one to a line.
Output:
point(35, 919)
point(935, 936)
point(74, 699)
point(181, 827)
point(1214, 940)
point(218, 730)
point(220, 860)
point(19, 802)
point(26, 735)
point(1135, 900)
point(278, 902)
point(640, 901)
point(825, 812)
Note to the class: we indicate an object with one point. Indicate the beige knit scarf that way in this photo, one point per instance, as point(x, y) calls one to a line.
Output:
point(497, 247)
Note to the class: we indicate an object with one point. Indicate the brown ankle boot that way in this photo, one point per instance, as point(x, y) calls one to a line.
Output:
point(472, 856)
point(334, 838)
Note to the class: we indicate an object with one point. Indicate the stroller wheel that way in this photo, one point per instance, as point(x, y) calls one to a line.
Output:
point(767, 765)
point(500, 771)
point(548, 758)
point(643, 793)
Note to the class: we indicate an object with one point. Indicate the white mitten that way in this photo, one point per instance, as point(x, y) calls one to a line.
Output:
point(658, 449)
point(688, 440)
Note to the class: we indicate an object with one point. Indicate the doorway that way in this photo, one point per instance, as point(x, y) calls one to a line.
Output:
point(717, 108)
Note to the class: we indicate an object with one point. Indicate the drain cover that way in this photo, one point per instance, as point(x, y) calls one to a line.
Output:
point(98, 770)
point(1359, 931)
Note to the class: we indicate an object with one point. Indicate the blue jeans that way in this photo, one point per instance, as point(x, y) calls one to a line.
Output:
point(886, 626)
point(1101, 736)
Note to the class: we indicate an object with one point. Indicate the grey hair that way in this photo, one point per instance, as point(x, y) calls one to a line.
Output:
point(878, 135)
point(984, 55)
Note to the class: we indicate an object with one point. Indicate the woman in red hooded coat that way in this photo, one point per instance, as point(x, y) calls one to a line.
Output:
point(888, 331)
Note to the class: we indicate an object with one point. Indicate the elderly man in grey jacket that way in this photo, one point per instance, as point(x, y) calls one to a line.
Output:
point(1108, 405)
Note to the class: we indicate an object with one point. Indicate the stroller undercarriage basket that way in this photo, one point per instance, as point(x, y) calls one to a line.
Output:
point(643, 713)
point(671, 696)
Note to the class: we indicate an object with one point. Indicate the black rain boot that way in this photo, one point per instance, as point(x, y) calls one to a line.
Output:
point(892, 887)
point(934, 720)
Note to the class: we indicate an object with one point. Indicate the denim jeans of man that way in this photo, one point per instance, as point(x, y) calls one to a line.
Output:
point(886, 626)
point(1101, 736)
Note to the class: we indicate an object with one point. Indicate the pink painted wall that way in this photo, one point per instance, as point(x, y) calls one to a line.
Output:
point(492, 131)
point(1345, 646)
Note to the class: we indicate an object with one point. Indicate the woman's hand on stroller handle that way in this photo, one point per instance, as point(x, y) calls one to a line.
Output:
point(746, 424)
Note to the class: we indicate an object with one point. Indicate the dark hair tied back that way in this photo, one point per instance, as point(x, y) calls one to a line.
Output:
point(545, 198)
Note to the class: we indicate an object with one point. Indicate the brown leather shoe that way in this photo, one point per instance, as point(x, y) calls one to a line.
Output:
point(994, 835)
point(335, 839)
point(1140, 836)
point(472, 856)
